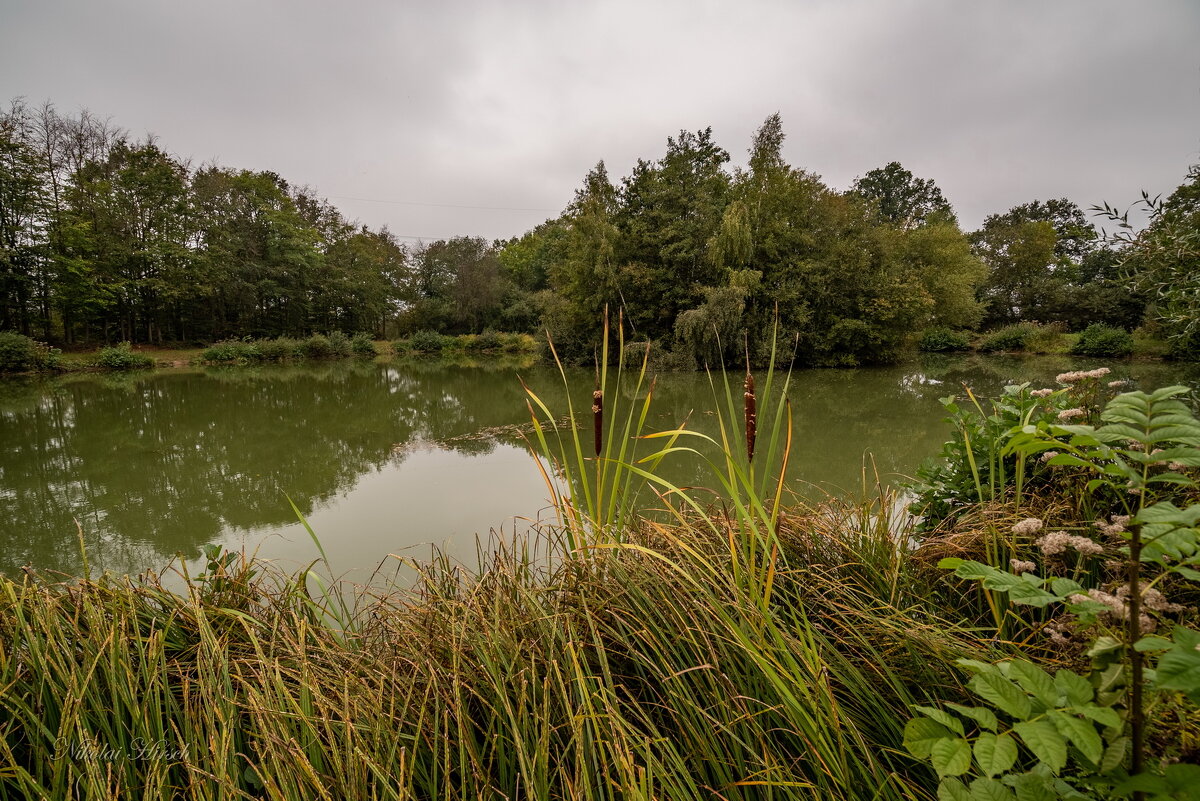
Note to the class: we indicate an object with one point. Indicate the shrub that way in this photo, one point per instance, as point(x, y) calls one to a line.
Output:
point(363, 346)
point(231, 351)
point(944, 340)
point(1103, 340)
point(339, 345)
point(278, 349)
point(122, 357)
point(19, 353)
point(487, 341)
point(427, 342)
point(1011, 337)
point(316, 346)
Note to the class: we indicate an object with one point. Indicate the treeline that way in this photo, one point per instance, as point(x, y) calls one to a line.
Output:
point(103, 238)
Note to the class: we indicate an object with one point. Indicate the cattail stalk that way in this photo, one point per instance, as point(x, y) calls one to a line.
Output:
point(751, 415)
point(598, 418)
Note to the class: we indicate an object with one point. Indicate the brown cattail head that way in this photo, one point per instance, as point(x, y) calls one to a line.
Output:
point(751, 416)
point(598, 418)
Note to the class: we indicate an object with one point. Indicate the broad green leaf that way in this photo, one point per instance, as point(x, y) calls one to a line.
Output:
point(921, 733)
point(941, 716)
point(1001, 693)
point(995, 754)
point(951, 789)
point(950, 756)
point(1114, 755)
point(1034, 681)
point(1179, 668)
point(1074, 687)
point(1032, 786)
point(985, 717)
point(1045, 741)
point(1064, 587)
point(1152, 643)
point(1080, 732)
point(1106, 716)
point(987, 789)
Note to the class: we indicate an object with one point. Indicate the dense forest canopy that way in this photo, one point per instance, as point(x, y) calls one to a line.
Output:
point(104, 238)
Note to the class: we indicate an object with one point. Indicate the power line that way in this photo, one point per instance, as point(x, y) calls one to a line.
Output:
point(438, 205)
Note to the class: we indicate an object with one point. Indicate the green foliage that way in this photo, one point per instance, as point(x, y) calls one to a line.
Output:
point(903, 199)
point(122, 357)
point(426, 342)
point(487, 342)
point(1009, 338)
point(1102, 340)
point(363, 346)
point(944, 340)
point(278, 349)
point(1049, 338)
point(232, 351)
point(1139, 461)
point(1052, 738)
point(19, 353)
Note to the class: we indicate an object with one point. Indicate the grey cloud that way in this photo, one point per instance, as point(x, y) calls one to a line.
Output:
point(508, 104)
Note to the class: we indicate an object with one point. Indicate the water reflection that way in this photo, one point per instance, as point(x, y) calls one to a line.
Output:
point(385, 457)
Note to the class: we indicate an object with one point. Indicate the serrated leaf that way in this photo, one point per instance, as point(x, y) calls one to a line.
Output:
point(1045, 741)
point(1064, 587)
point(1152, 643)
point(1106, 716)
point(1179, 668)
point(1074, 687)
point(1114, 755)
point(985, 717)
point(951, 756)
point(921, 733)
point(1082, 733)
point(1001, 693)
point(986, 789)
point(1031, 786)
point(941, 716)
point(1034, 681)
point(951, 789)
point(995, 754)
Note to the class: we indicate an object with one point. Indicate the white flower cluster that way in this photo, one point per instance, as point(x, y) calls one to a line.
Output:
point(1041, 393)
point(1030, 525)
point(1080, 375)
point(1020, 566)
point(1114, 527)
point(1048, 455)
point(1059, 541)
point(1071, 414)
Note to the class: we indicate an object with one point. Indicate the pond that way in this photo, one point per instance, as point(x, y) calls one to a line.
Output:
point(135, 470)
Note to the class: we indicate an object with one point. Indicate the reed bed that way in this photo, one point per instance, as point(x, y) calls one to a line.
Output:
point(636, 672)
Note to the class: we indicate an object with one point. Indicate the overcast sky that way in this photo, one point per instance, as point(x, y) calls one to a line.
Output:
point(445, 118)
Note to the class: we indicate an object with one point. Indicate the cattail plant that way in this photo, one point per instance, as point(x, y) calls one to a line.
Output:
point(751, 414)
point(598, 416)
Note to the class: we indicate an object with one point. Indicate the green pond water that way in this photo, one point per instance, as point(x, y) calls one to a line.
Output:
point(393, 458)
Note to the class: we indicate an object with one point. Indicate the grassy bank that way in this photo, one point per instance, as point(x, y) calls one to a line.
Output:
point(640, 672)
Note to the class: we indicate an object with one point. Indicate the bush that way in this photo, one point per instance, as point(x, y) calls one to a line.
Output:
point(487, 341)
point(278, 349)
point(426, 342)
point(122, 357)
point(316, 346)
point(1011, 337)
point(1103, 340)
point(19, 353)
point(339, 345)
point(363, 346)
point(944, 340)
point(231, 351)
